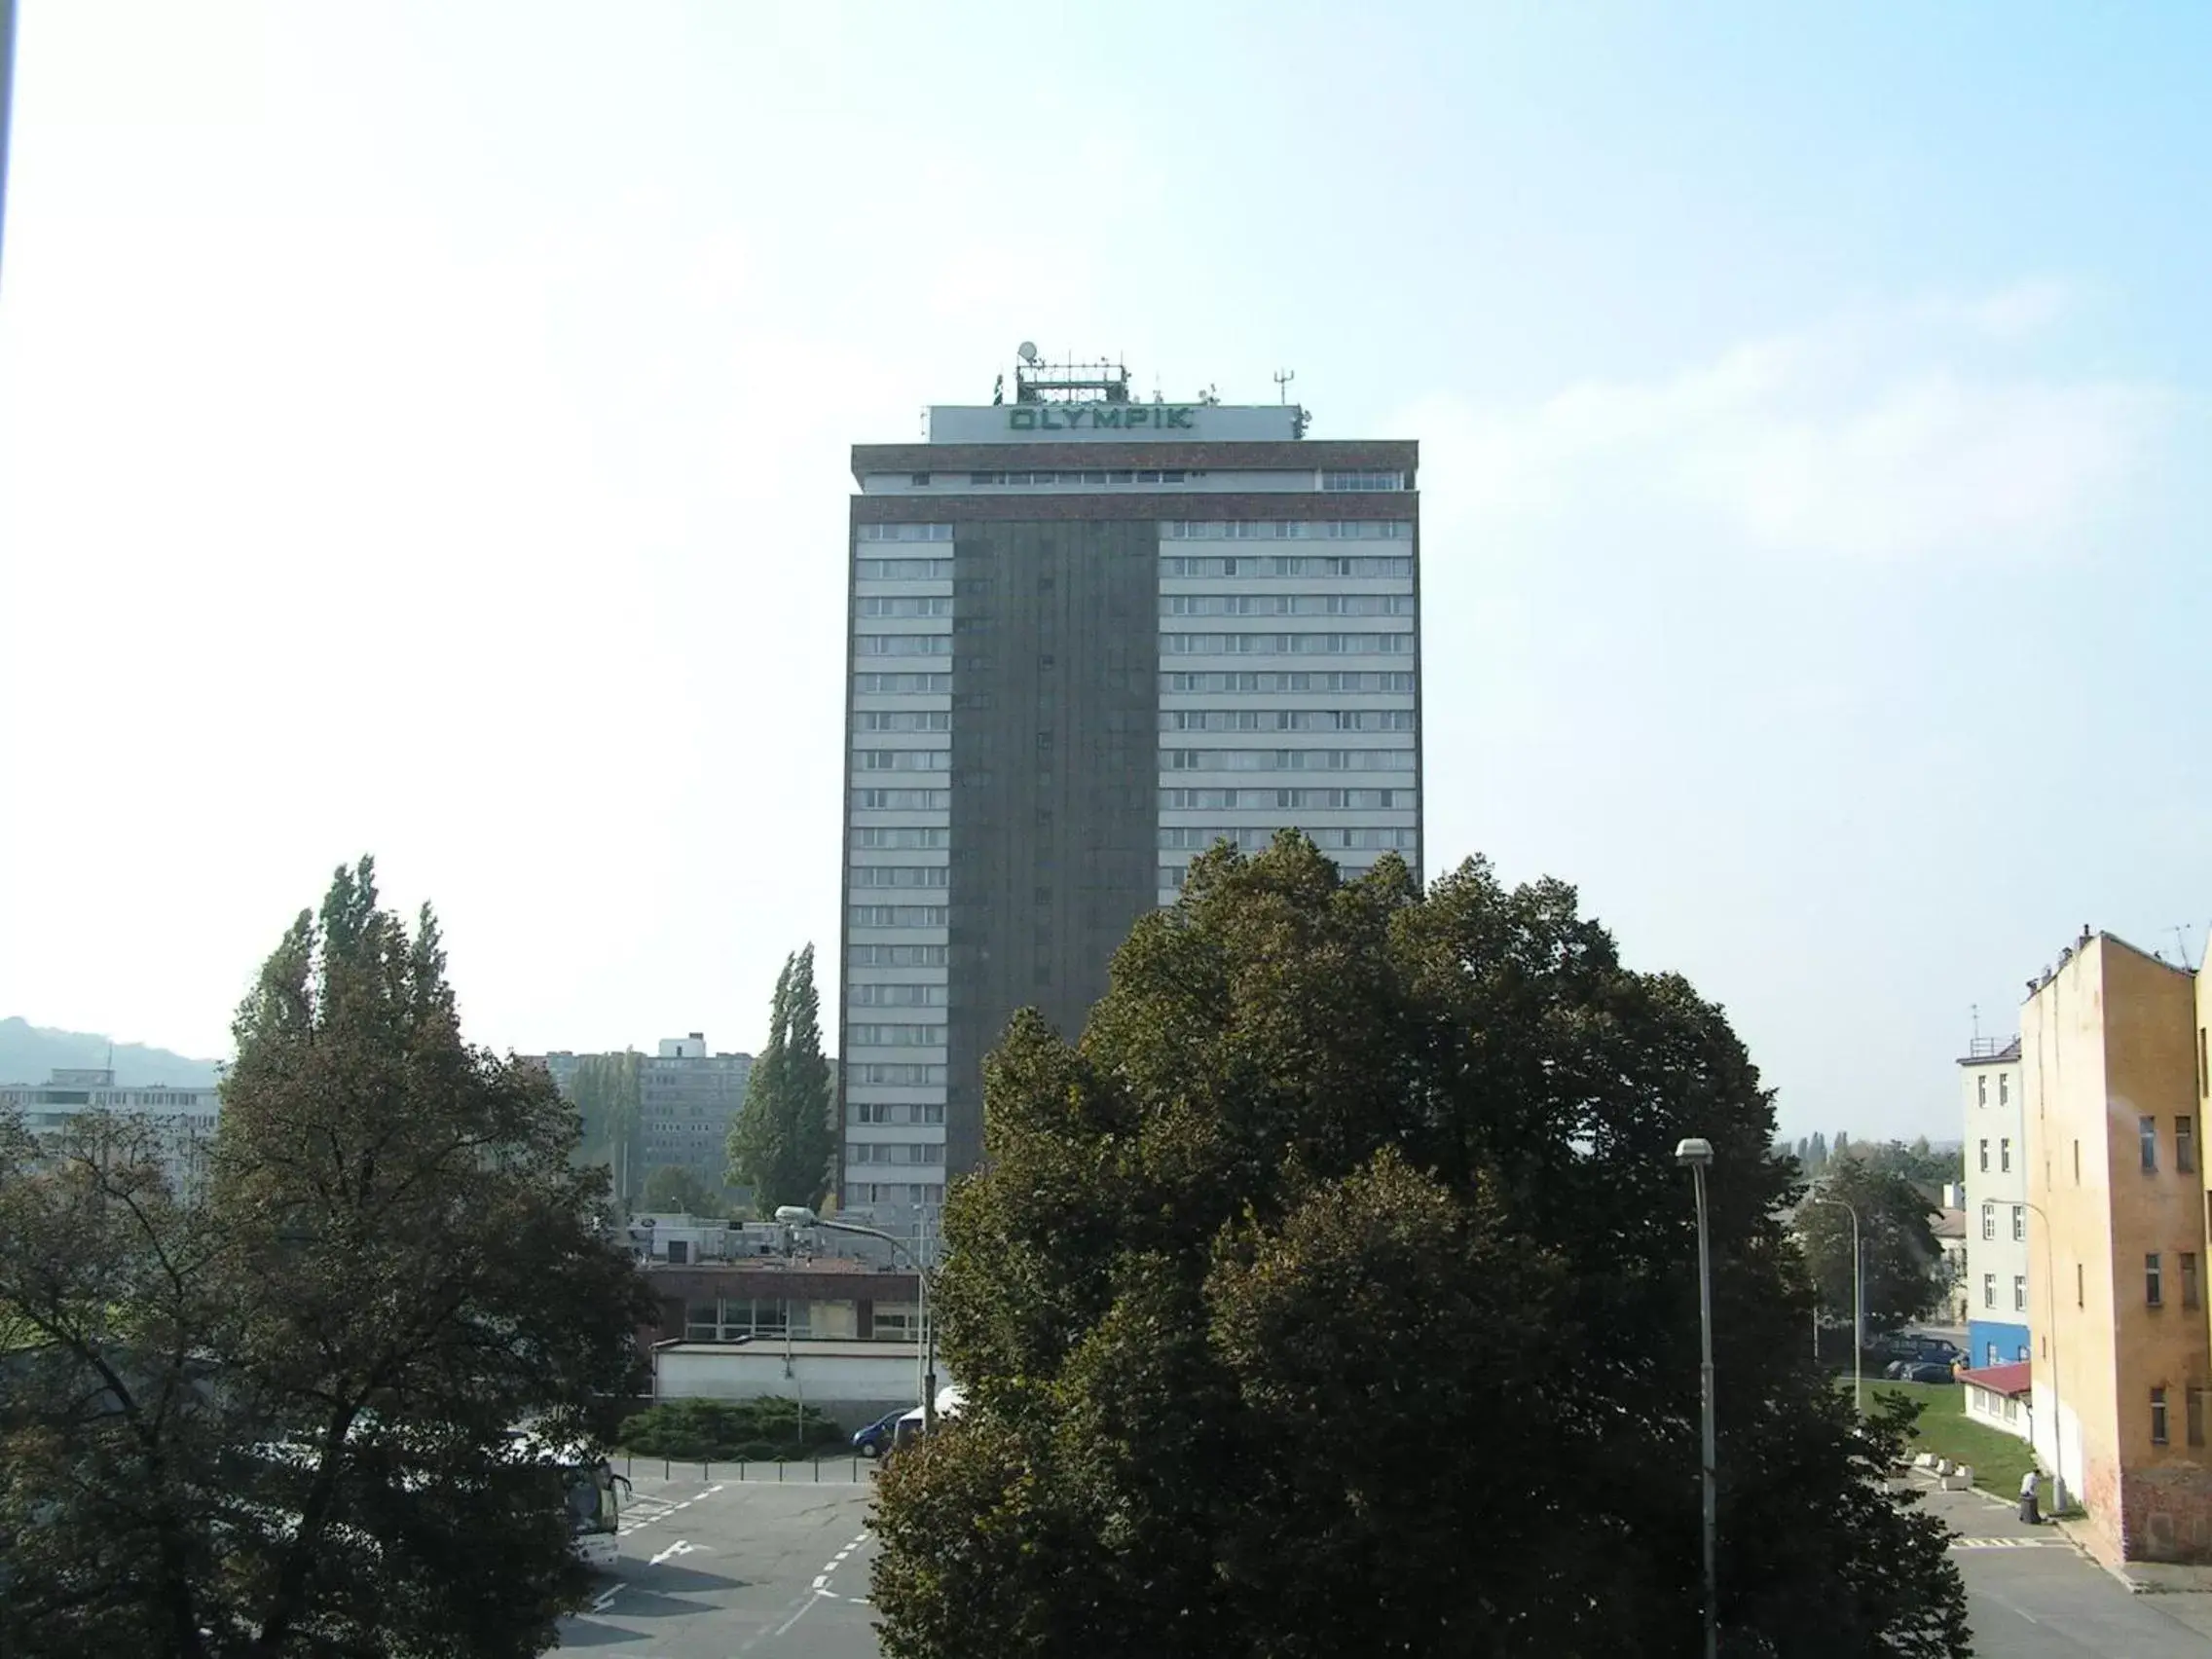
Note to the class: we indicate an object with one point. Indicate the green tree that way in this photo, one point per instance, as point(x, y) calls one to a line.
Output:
point(672, 1189)
point(1919, 1164)
point(277, 1418)
point(609, 1096)
point(1903, 1266)
point(785, 1137)
point(1338, 1291)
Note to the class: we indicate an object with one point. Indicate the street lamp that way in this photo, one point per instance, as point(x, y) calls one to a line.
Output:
point(798, 1215)
point(1858, 1307)
point(1697, 1154)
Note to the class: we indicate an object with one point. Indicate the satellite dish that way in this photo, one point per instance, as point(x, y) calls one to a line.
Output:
point(1027, 353)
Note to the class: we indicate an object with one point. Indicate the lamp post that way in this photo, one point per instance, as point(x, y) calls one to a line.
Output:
point(1858, 1309)
point(798, 1215)
point(2051, 1300)
point(1697, 1154)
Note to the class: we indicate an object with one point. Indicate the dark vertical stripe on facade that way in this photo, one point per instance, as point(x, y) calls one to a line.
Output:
point(1055, 673)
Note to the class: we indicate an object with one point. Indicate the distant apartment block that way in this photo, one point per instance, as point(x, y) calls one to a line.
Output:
point(1089, 637)
point(1996, 1278)
point(687, 1097)
point(186, 1118)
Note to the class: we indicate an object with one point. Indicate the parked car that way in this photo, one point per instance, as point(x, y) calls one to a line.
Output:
point(1911, 1348)
point(1925, 1372)
point(874, 1440)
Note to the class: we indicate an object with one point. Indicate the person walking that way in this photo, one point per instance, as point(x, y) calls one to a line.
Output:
point(2028, 1509)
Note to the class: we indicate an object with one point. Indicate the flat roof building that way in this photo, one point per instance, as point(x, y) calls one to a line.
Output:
point(1089, 636)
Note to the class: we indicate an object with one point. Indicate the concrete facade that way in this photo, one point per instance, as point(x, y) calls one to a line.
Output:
point(1996, 1280)
point(687, 1097)
point(853, 1384)
point(1089, 637)
point(2111, 1088)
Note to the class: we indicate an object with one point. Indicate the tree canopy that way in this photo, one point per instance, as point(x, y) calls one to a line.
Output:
point(1903, 1263)
point(276, 1417)
point(785, 1137)
point(1337, 1293)
point(609, 1094)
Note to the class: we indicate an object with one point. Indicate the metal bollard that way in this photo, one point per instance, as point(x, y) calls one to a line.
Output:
point(664, 1470)
point(706, 1474)
point(779, 1471)
point(818, 1468)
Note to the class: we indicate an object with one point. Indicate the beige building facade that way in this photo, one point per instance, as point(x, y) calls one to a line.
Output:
point(2113, 1086)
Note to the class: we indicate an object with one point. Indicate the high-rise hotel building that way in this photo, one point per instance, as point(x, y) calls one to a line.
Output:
point(1090, 636)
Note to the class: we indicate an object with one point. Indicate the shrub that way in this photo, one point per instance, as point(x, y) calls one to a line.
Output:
point(725, 1431)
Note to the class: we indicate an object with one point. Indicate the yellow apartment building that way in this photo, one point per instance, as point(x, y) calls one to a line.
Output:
point(2112, 1080)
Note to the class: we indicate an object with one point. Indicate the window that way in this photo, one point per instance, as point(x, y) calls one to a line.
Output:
point(1989, 1356)
point(2020, 1224)
point(1981, 1090)
point(902, 645)
point(897, 996)
point(1984, 1153)
point(2076, 1163)
point(2195, 1410)
point(2147, 1137)
point(2078, 1288)
point(2185, 1145)
point(2153, 1281)
point(901, 835)
point(903, 569)
point(2004, 1154)
point(2203, 1073)
point(2157, 1417)
point(1989, 1290)
point(1989, 1221)
point(2020, 1293)
point(2004, 1088)
point(2188, 1297)
point(905, 533)
point(1363, 478)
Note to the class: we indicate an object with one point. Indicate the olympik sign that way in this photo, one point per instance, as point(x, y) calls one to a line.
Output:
point(1084, 416)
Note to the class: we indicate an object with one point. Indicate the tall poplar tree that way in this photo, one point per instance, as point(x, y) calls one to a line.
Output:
point(277, 1418)
point(783, 1138)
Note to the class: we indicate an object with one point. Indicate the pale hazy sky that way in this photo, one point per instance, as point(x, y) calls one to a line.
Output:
point(423, 430)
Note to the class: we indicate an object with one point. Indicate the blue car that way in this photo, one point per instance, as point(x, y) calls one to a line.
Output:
point(874, 1440)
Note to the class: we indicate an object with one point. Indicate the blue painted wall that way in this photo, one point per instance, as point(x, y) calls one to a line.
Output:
point(2009, 1341)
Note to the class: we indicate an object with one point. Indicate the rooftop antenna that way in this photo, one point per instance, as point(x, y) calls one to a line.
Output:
point(925, 423)
point(1284, 377)
point(2181, 937)
point(1974, 1009)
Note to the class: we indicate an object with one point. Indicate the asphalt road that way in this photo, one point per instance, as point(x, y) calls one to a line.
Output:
point(737, 1569)
point(725, 1568)
point(2030, 1595)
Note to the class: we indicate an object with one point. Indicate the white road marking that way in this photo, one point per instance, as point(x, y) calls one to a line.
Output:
point(679, 1547)
point(606, 1599)
point(819, 1579)
point(2008, 1544)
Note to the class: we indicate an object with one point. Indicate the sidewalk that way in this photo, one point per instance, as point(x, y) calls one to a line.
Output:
point(2142, 1577)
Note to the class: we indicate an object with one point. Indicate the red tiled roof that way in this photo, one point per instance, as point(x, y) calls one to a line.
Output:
point(2000, 1379)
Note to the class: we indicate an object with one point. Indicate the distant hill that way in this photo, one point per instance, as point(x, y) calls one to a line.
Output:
point(28, 1052)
